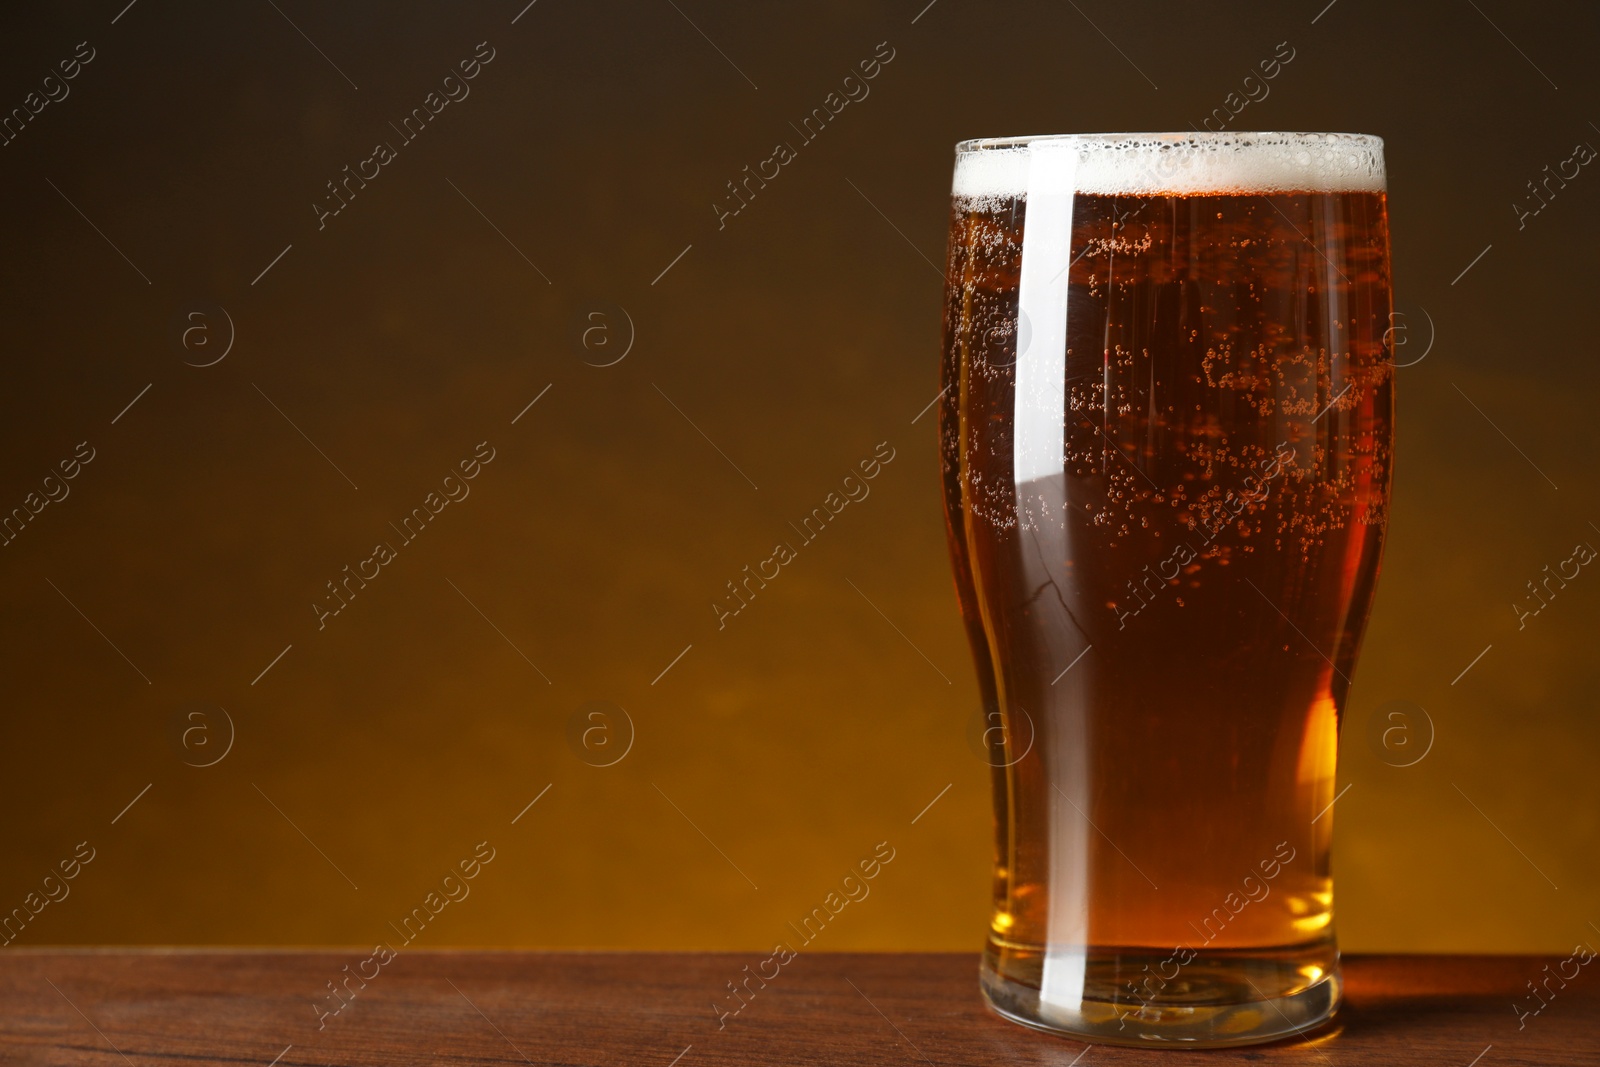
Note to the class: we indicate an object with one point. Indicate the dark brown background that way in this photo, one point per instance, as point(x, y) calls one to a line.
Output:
point(796, 339)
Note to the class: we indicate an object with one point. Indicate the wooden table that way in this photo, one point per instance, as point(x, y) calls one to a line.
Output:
point(195, 1007)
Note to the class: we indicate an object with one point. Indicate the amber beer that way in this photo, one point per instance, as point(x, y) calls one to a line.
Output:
point(1167, 451)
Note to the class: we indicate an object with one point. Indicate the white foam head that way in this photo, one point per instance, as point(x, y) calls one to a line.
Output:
point(1183, 164)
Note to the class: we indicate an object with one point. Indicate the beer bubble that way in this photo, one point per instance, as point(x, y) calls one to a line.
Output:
point(601, 333)
point(202, 333)
point(1400, 733)
point(201, 734)
point(600, 733)
point(998, 738)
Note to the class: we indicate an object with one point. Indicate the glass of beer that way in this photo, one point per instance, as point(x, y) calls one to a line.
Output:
point(1167, 443)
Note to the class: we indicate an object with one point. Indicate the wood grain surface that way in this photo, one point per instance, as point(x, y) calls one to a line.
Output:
point(194, 1007)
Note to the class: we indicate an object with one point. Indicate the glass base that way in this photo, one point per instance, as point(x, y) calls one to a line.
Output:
point(1218, 1000)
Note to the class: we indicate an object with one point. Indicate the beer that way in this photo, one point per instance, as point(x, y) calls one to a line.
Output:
point(1167, 440)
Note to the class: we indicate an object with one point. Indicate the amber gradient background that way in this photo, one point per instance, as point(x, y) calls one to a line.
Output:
point(796, 338)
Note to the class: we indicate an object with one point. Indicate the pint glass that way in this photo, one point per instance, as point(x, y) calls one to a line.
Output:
point(1166, 437)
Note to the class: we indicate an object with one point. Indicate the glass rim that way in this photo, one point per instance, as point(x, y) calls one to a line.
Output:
point(1178, 137)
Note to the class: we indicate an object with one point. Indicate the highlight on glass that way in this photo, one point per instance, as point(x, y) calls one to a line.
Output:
point(1167, 440)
